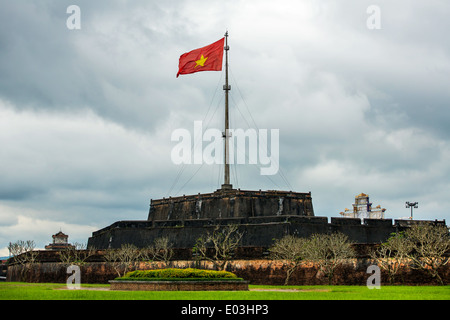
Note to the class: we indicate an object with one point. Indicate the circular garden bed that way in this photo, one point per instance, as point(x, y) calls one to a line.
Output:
point(179, 280)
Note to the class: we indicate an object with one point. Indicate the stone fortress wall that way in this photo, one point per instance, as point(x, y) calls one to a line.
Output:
point(262, 217)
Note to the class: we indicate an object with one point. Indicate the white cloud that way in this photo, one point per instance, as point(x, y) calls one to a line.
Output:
point(40, 230)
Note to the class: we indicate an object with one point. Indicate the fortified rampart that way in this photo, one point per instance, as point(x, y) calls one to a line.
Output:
point(257, 231)
point(232, 203)
point(261, 216)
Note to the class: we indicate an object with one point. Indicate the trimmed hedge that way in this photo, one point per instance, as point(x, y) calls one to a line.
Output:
point(179, 274)
point(179, 279)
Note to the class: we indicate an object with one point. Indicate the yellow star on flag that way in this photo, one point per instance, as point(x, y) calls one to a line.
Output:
point(200, 62)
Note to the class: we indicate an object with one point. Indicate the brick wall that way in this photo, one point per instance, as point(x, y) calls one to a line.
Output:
point(180, 285)
point(261, 271)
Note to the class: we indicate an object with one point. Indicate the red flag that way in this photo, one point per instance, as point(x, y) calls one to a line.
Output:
point(208, 58)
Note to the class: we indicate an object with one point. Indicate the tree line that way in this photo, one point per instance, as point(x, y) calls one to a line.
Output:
point(422, 246)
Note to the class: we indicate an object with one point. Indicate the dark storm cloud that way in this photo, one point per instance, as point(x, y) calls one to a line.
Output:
point(86, 115)
point(110, 65)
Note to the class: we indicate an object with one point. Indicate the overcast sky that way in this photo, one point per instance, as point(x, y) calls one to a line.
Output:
point(86, 115)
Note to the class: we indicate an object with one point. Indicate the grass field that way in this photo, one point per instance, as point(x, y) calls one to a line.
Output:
point(53, 291)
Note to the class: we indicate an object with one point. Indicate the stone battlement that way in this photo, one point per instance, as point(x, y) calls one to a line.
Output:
point(257, 231)
point(229, 203)
point(261, 216)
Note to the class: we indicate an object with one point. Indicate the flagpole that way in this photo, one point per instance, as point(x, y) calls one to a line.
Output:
point(226, 88)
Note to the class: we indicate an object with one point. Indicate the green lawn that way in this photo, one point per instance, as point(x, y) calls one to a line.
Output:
point(52, 291)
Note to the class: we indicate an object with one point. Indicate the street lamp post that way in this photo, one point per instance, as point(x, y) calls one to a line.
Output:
point(411, 205)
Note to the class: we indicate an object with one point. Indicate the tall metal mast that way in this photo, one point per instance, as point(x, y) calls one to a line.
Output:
point(227, 88)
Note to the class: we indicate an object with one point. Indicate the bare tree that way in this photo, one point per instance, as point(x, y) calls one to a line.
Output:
point(123, 259)
point(23, 251)
point(24, 255)
point(161, 250)
point(429, 245)
point(224, 242)
point(290, 250)
point(76, 254)
point(392, 254)
point(200, 249)
point(328, 251)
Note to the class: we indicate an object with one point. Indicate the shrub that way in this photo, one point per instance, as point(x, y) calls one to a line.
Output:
point(175, 274)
